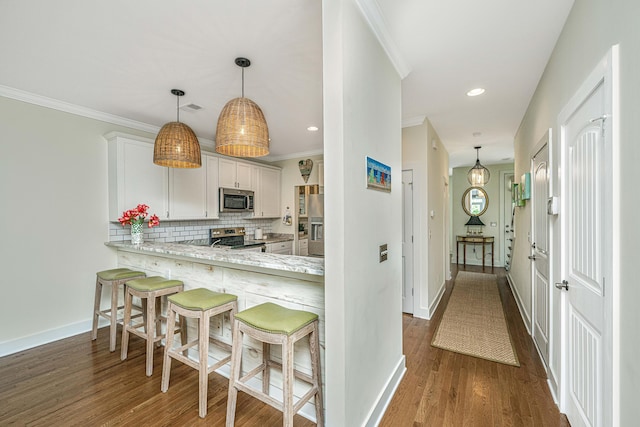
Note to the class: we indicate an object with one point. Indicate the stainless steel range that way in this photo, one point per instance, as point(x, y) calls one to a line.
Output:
point(233, 238)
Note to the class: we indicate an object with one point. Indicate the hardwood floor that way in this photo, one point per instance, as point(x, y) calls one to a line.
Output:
point(77, 381)
point(442, 388)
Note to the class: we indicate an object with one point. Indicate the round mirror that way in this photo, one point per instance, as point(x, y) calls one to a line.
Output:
point(475, 201)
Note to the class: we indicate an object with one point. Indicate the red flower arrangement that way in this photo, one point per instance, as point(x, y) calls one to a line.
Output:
point(137, 215)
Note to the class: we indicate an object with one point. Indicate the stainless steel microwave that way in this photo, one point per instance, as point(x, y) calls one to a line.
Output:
point(233, 200)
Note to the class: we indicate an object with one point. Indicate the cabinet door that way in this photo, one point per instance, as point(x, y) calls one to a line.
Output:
point(227, 173)
point(304, 247)
point(135, 179)
point(268, 193)
point(188, 193)
point(213, 195)
point(244, 176)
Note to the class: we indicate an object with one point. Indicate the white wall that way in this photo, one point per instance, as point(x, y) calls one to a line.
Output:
point(591, 29)
point(430, 192)
point(53, 186)
point(363, 297)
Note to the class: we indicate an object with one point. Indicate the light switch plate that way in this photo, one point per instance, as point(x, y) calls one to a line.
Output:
point(383, 252)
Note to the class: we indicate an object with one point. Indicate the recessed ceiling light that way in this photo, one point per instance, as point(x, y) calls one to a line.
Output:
point(475, 92)
point(312, 128)
point(477, 134)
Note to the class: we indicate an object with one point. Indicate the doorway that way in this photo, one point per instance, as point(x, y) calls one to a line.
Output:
point(407, 241)
point(540, 247)
point(588, 136)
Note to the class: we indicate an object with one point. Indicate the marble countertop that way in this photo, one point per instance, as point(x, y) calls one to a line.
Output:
point(234, 258)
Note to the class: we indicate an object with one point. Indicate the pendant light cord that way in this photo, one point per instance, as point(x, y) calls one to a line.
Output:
point(178, 108)
point(243, 82)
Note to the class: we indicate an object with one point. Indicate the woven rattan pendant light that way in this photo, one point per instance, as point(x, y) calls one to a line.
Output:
point(478, 175)
point(176, 145)
point(242, 130)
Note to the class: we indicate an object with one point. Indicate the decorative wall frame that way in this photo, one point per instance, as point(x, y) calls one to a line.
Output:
point(378, 175)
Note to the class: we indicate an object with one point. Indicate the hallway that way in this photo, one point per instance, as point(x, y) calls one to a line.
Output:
point(442, 388)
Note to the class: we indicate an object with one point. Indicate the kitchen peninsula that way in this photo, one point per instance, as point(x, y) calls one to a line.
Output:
point(290, 281)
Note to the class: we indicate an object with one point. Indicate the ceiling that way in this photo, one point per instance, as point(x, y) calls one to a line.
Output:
point(122, 58)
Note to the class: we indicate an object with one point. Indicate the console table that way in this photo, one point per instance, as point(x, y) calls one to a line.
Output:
point(473, 240)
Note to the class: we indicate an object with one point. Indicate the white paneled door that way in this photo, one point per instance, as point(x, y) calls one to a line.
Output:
point(587, 187)
point(540, 249)
point(407, 241)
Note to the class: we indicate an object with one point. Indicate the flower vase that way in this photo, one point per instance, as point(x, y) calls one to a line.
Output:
point(136, 233)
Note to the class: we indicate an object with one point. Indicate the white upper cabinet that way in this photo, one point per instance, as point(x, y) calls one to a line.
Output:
point(188, 192)
point(234, 174)
point(211, 163)
point(134, 178)
point(182, 194)
point(267, 197)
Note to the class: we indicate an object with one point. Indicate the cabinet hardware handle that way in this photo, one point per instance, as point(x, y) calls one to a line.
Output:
point(532, 257)
point(563, 285)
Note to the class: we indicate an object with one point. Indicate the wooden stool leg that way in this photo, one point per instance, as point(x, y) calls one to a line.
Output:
point(236, 361)
point(314, 347)
point(203, 347)
point(266, 370)
point(96, 308)
point(287, 382)
point(166, 364)
point(124, 346)
point(113, 316)
point(151, 334)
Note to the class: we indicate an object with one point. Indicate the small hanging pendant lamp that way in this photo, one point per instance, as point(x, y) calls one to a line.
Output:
point(478, 175)
point(242, 130)
point(176, 145)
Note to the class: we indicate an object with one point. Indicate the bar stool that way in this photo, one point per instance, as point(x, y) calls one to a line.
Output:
point(273, 324)
point(201, 304)
point(150, 290)
point(116, 279)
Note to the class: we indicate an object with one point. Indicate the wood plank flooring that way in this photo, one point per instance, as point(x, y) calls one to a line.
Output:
point(442, 388)
point(78, 382)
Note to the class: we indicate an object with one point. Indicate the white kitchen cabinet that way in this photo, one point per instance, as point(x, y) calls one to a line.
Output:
point(267, 196)
point(134, 178)
point(232, 174)
point(193, 193)
point(282, 248)
point(213, 195)
point(170, 193)
point(303, 247)
point(320, 165)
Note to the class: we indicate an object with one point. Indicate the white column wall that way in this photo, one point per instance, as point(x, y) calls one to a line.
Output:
point(363, 296)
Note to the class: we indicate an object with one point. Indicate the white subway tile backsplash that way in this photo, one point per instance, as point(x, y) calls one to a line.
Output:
point(176, 231)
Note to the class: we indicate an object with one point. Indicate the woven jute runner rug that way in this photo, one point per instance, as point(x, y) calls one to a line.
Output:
point(473, 322)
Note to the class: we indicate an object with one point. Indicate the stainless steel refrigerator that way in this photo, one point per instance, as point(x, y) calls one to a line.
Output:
point(316, 224)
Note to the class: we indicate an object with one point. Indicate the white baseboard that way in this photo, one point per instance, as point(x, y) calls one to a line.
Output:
point(436, 302)
point(45, 337)
point(385, 396)
point(523, 312)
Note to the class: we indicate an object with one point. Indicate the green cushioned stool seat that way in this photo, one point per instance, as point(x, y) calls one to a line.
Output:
point(201, 299)
point(269, 317)
point(152, 283)
point(119, 274)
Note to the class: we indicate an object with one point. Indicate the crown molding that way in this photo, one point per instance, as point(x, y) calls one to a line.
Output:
point(55, 104)
point(373, 14)
point(413, 121)
point(294, 155)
